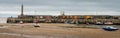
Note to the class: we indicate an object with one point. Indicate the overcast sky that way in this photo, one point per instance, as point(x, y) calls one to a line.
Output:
point(53, 7)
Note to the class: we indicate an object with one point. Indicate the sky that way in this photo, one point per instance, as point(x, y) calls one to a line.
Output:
point(53, 7)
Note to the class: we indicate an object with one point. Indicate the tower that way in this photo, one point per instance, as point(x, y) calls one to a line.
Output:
point(22, 10)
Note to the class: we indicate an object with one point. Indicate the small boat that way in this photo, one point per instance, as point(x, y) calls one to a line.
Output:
point(110, 28)
point(98, 23)
point(67, 22)
point(108, 23)
point(21, 22)
point(36, 25)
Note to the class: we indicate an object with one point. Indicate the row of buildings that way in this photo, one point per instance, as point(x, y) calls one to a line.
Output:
point(80, 19)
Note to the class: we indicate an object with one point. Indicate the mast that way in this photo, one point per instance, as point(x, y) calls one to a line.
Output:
point(62, 13)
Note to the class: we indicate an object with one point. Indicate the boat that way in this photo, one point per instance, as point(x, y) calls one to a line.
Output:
point(98, 23)
point(108, 23)
point(36, 25)
point(109, 28)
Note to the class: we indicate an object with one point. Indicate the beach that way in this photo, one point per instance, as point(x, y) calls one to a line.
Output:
point(53, 30)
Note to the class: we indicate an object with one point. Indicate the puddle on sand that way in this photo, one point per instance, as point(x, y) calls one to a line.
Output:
point(37, 36)
point(3, 26)
point(14, 34)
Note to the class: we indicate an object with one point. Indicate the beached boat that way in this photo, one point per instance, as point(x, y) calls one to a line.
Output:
point(108, 23)
point(98, 23)
point(36, 25)
point(110, 28)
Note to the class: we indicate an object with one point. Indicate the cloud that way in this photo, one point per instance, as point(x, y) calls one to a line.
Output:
point(82, 7)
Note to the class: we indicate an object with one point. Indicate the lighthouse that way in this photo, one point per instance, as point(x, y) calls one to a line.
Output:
point(22, 10)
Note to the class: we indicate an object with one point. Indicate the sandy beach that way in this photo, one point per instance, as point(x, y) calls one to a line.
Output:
point(47, 30)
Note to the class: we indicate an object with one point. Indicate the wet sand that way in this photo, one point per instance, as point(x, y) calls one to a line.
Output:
point(47, 30)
